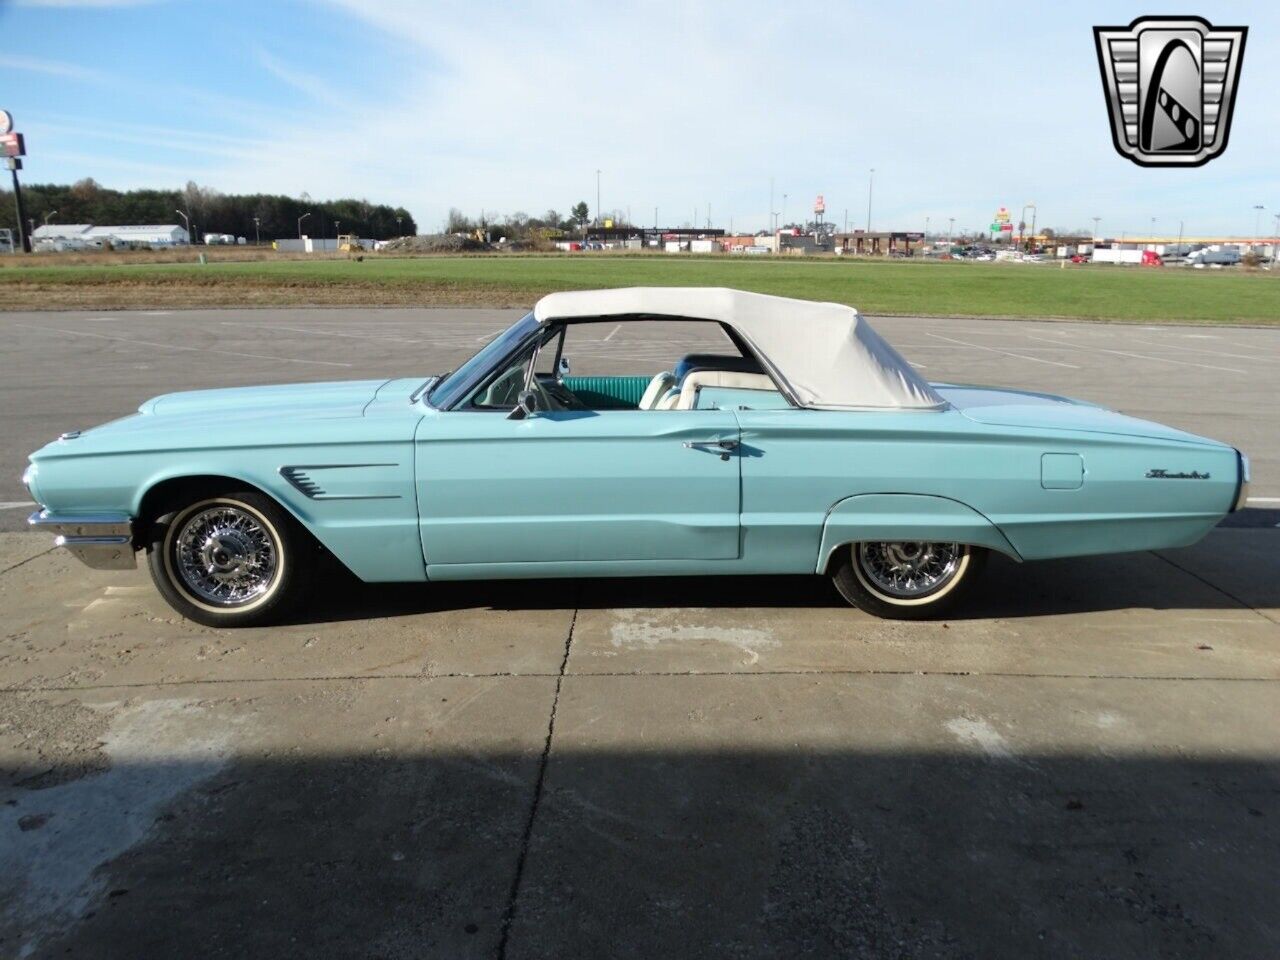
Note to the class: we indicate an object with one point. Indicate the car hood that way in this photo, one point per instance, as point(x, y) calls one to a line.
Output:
point(335, 399)
point(1001, 407)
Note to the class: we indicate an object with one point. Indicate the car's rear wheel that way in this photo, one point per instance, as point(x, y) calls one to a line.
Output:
point(906, 580)
point(230, 560)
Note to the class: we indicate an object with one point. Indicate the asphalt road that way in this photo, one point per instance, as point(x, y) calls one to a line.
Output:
point(1083, 762)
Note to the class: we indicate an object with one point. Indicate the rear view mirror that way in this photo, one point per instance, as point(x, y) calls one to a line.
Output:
point(526, 406)
point(562, 370)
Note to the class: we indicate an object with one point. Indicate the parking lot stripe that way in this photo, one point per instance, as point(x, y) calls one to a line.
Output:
point(15, 504)
point(1006, 353)
point(175, 346)
point(321, 333)
point(1213, 353)
point(1140, 356)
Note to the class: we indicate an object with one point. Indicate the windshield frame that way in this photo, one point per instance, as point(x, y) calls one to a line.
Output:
point(455, 387)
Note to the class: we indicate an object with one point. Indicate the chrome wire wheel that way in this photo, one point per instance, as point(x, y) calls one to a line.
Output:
point(226, 554)
point(910, 572)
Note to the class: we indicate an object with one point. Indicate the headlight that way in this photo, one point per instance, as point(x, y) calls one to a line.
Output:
point(1242, 491)
point(28, 478)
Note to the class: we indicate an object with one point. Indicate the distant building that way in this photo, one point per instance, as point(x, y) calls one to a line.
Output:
point(85, 236)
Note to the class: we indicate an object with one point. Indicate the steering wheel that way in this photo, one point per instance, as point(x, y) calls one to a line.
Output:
point(557, 396)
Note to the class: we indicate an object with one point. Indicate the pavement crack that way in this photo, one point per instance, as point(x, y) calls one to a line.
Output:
point(29, 687)
point(28, 560)
point(512, 901)
point(1213, 586)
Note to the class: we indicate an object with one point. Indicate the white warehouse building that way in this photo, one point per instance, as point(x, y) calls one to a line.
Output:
point(85, 236)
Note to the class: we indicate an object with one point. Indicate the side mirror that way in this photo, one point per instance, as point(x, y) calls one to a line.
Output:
point(527, 404)
point(562, 371)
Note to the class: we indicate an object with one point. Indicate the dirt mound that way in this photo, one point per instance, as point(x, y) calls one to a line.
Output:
point(436, 243)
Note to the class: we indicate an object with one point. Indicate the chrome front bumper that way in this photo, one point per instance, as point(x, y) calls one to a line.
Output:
point(103, 541)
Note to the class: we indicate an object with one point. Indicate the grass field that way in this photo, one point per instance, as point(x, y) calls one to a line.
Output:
point(876, 287)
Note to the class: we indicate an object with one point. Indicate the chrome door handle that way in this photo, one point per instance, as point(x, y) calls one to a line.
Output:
point(724, 446)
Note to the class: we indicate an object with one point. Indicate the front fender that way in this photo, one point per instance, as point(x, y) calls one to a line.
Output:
point(904, 516)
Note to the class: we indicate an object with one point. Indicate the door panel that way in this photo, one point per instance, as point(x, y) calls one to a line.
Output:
point(578, 485)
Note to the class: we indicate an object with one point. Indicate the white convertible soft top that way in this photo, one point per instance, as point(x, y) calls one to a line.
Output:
point(827, 353)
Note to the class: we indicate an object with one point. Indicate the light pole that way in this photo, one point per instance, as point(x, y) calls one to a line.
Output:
point(871, 179)
point(1022, 223)
point(951, 225)
point(337, 228)
point(1257, 219)
point(926, 229)
point(300, 219)
point(398, 230)
point(187, 220)
point(784, 206)
point(597, 198)
point(1096, 221)
point(257, 231)
point(1275, 244)
point(1179, 239)
point(47, 216)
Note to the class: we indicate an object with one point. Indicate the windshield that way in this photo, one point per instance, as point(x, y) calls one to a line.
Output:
point(457, 384)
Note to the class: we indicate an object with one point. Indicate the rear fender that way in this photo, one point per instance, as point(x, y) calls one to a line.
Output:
point(904, 516)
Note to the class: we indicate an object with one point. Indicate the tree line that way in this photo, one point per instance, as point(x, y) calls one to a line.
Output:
point(210, 211)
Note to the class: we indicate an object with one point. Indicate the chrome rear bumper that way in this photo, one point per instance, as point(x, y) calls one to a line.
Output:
point(103, 541)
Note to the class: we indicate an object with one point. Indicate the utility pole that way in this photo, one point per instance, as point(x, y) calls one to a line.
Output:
point(24, 238)
point(871, 180)
point(14, 150)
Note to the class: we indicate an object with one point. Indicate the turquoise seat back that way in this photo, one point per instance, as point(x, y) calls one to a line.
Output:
point(608, 393)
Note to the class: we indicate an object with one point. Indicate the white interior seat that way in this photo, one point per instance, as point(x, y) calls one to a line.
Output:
point(668, 400)
point(698, 379)
point(657, 389)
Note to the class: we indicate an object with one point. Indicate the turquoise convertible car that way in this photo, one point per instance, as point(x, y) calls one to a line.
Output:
point(803, 443)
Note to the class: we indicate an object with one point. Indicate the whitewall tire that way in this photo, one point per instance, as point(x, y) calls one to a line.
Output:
point(906, 580)
point(230, 560)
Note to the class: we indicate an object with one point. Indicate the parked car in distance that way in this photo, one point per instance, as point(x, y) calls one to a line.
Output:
point(803, 444)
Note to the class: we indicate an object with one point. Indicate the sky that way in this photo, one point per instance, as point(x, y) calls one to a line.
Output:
point(960, 108)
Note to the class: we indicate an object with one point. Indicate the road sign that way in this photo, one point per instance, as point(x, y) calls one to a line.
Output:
point(13, 145)
point(12, 163)
point(6, 121)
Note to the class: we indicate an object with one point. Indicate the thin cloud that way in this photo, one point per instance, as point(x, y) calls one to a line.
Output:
point(98, 4)
point(52, 68)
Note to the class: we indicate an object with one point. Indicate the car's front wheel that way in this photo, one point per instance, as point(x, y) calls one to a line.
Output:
point(907, 580)
point(231, 560)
